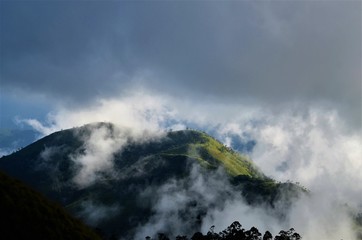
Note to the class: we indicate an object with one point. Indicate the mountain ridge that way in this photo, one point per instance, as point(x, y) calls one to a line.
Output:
point(50, 166)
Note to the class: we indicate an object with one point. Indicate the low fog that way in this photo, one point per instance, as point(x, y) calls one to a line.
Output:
point(220, 202)
point(311, 146)
point(100, 145)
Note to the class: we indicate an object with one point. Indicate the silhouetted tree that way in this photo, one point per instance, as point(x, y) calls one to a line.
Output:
point(211, 235)
point(181, 238)
point(288, 235)
point(252, 234)
point(267, 236)
point(197, 236)
point(236, 232)
point(233, 232)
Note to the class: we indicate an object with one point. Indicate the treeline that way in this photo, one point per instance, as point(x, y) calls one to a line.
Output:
point(235, 232)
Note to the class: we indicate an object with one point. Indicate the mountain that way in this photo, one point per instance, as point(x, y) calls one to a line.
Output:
point(26, 213)
point(114, 179)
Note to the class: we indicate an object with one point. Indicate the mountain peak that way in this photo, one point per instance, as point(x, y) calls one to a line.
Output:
point(102, 165)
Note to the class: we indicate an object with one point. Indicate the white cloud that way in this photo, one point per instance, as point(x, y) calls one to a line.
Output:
point(306, 144)
point(97, 158)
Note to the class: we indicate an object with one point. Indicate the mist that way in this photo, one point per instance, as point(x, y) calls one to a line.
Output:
point(199, 201)
point(93, 213)
point(312, 146)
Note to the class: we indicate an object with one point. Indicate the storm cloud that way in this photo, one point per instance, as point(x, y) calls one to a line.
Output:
point(263, 52)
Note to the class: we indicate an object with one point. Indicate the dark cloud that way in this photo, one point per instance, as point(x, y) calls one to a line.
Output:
point(272, 52)
point(55, 47)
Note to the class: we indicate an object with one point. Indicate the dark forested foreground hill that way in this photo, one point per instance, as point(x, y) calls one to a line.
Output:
point(27, 214)
point(118, 181)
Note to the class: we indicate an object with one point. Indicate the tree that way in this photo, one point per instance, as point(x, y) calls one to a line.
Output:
point(233, 232)
point(267, 236)
point(197, 236)
point(211, 235)
point(181, 237)
point(288, 235)
point(236, 232)
point(253, 234)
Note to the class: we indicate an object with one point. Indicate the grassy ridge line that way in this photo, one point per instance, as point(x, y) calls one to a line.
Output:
point(202, 162)
point(210, 153)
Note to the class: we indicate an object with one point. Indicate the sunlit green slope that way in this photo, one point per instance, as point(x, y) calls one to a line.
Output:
point(210, 153)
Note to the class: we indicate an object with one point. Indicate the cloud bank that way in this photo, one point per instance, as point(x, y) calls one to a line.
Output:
point(312, 146)
point(263, 52)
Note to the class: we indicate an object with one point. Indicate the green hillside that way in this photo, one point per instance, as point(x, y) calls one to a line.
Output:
point(25, 214)
point(210, 153)
point(190, 143)
point(137, 167)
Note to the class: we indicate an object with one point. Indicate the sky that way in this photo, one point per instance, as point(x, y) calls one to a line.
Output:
point(286, 74)
point(72, 54)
